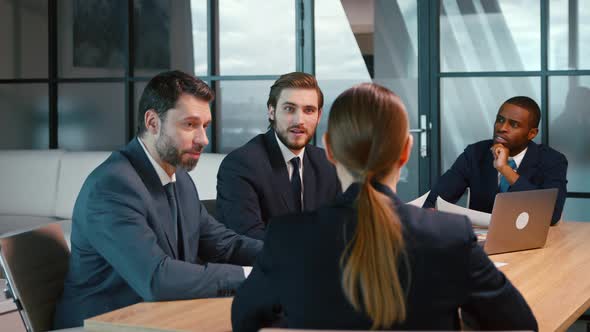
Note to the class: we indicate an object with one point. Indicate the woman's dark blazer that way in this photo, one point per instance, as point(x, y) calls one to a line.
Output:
point(297, 276)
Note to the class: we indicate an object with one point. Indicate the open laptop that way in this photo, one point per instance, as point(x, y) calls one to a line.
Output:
point(520, 220)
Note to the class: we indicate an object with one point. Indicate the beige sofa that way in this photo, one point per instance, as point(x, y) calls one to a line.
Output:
point(40, 186)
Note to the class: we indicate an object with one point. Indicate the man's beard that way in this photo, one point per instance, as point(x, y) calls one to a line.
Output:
point(170, 154)
point(284, 138)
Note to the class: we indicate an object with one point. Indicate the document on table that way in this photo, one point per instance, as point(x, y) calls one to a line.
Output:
point(477, 218)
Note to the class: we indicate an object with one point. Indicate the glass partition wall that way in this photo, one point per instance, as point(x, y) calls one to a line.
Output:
point(371, 41)
point(490, 50)
point(72, 71)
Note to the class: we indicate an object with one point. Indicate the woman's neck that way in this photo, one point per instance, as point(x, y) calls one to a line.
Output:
point(346, 179)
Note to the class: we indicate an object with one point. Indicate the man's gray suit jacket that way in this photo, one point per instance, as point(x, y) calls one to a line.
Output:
point(124, 249)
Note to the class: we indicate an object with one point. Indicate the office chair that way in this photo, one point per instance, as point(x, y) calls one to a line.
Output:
point(211, 206)
point(35, 264)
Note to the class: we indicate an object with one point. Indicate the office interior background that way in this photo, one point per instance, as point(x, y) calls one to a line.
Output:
point(72, 71)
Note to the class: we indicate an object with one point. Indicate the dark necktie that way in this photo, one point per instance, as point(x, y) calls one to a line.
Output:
point(504, 185)
point(171, 195)
point(296, 183)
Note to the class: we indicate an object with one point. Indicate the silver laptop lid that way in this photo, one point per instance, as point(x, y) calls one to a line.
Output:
point(520, 220)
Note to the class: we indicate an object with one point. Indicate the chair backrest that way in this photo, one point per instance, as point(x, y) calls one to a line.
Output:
point(211, 206)
point(35, 264)
point(205, 175)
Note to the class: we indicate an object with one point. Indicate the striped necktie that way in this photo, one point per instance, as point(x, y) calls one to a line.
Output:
point(504, 185)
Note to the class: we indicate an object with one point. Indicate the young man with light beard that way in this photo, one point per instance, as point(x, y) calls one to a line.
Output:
point(278, 172)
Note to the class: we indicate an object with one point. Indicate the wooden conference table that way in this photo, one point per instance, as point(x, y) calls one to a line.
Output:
point(555, 281)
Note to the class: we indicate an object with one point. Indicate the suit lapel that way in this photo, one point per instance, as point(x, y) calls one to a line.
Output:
point(136, 155)
point(280, 175)
point(309, 180)
point(530, 161)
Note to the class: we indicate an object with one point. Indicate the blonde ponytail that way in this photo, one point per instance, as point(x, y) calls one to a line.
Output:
point(370, 272)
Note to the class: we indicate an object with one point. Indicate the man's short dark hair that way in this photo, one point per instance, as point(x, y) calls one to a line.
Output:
point(294, 80)
point(528, 104)
point(162, 93)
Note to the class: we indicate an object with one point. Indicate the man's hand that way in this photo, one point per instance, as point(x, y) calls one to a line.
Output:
point(501, 154)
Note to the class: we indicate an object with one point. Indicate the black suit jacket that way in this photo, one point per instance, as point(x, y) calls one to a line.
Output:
point(299, 272)
point(123, 246)
point(253, 184)
point(541, 168)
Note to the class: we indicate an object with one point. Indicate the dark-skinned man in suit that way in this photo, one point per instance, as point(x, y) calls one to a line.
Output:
point(511, 161)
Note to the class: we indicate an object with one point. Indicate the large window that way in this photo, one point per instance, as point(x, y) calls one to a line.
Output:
point(24, 116)
point(24, 100)
point(257, 43)
point(489, 35)
point(97, 57)
point(72, 71)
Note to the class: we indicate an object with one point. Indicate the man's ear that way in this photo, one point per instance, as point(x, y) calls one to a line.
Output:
point(406, 151)
point(329, 154)
point(152, 121)
point(532, 133)
point(271, 112)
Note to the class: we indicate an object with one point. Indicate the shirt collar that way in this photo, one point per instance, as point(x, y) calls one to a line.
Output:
point(164, 178)
point(518, 158)
point(288, 154)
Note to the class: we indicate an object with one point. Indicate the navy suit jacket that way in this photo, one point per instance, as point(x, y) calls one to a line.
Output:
point(541, 168)
point(253, 184)
point(124, 249)
point(298, 273)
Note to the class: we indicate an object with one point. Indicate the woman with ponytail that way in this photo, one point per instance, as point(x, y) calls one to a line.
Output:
point(368, 261)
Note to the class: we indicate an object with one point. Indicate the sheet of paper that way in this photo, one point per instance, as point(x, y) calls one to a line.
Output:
point(500, 264)
point(247, 270)
point(477, 218)
point(420, 200)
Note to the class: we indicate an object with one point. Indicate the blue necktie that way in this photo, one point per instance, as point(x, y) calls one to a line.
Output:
point(171, 195)
point(504, 185)
point(296, 183)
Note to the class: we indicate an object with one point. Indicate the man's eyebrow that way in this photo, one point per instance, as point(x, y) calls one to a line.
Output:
point(290, 103)
point(192, 118)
